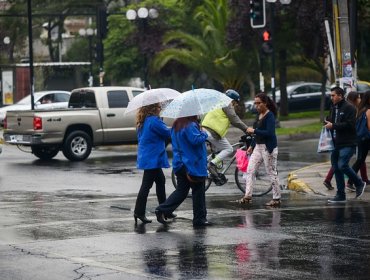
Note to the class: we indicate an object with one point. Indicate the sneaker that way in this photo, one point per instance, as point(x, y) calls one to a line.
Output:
point(212, 169)
point(328, 185)
point(360, 189)
point(337, 199)
point(350, 187)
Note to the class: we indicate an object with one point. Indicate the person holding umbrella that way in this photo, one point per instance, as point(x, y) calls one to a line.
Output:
point(190, 166)
point(151, 156)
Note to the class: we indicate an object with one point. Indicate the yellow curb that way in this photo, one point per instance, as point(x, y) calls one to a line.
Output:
point(2, 141)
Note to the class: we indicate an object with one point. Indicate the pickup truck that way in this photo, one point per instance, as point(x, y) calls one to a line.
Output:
point(94, 117)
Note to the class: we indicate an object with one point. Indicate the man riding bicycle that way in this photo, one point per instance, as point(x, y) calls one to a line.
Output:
point(216, 123)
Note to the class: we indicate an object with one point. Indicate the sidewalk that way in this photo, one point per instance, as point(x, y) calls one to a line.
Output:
point(310, 180)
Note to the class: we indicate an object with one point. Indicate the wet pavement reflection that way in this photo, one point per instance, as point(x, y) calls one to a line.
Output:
point(75, 220)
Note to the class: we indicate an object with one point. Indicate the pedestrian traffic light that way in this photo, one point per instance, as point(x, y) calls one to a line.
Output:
point(257, 13)
point(267, 47)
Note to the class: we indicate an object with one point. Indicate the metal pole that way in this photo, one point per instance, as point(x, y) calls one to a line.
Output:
point(91, 81)
point(30, 48)
point(272, 18)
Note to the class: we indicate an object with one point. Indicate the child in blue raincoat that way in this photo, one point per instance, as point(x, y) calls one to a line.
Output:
point(189, 161)
point(151, 157)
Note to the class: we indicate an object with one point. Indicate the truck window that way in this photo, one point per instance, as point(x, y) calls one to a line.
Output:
point(117, 99)
point(82, 99)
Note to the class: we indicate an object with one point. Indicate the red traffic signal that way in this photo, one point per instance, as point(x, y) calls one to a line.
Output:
point(266, 36)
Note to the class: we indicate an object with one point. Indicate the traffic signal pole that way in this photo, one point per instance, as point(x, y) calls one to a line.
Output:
point(272, 18)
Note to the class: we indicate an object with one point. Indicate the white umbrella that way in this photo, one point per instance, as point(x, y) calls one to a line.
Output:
point(196, 102)
point(152, 96)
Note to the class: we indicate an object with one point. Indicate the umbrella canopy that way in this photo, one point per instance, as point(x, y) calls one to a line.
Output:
point(152, 96)
point(196, 102)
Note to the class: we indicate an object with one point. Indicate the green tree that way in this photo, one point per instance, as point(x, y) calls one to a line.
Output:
point(208, 50)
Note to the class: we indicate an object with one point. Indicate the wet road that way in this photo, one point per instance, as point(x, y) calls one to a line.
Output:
point(65, 220)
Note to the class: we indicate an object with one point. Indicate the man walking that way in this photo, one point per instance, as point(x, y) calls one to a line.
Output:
point(342, 123)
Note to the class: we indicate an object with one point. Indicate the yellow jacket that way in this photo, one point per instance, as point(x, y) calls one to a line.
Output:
point(218, 121)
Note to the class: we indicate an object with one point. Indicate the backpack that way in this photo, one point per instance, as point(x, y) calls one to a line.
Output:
point(362, 130)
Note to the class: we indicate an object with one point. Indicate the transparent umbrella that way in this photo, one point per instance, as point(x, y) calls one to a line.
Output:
point(151, 96)
point(196, 102)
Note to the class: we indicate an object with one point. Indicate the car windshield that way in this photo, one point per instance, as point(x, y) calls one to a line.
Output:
point(27, 100)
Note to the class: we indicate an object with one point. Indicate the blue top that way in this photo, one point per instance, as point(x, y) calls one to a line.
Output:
point(151, 152)
point(189, 149)
point(265, 132)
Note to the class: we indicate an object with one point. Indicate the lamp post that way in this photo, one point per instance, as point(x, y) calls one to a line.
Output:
point(272, 41)
point(143, 15)
point(89, 33)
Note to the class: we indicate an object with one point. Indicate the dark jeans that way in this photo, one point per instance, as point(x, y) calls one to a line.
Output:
point(150, 176)
point(180, 194)
point(340, 158)
point(362, 151)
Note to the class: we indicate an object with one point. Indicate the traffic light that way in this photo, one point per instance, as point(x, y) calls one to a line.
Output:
point(257, 13)
point(267, 47)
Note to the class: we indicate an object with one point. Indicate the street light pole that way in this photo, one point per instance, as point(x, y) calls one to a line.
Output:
point(143, 14)
point(89, 32)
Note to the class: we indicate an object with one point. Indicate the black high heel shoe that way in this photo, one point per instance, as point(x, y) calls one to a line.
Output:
point(142, 218)
point(160, 217)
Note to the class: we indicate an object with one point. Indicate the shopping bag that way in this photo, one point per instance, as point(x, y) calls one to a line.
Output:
point(326, 143)
point(242, 160)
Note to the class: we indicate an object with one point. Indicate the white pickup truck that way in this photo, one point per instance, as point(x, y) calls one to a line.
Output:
point(95, 117)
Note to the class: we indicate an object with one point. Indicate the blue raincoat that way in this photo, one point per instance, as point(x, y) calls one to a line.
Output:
point(189, 149)
point(151, 152)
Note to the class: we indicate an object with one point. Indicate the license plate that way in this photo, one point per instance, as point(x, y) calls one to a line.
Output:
point(19, 138)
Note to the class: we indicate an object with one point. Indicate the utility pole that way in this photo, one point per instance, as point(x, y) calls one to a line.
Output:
point(343, 45)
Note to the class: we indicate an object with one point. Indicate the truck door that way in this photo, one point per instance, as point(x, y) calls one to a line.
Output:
point(117, 126)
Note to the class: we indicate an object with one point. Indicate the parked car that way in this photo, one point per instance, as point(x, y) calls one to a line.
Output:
point(304, 96)
point(250, 107)
point(363, 86)
point(52, 99)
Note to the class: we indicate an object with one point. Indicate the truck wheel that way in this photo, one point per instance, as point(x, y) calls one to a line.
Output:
point(77, 146)
point(45, 153)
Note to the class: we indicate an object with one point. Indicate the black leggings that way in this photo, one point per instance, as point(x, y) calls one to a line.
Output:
point(150, 176)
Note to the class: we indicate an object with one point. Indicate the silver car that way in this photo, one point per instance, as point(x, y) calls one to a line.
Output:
point(52, 99)
point(304, 96)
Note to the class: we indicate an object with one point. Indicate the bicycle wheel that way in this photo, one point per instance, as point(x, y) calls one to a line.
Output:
point(174, 181)
point(261, 186)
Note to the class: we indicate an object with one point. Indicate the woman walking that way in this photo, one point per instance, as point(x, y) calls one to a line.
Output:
point(190, 167)
point(151, 156)
point(363, 134)
point(263, 149)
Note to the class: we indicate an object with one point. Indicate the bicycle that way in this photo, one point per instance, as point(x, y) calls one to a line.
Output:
point(261, 184)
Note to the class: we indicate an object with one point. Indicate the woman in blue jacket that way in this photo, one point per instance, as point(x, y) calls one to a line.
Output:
point(151, 156)
point(264, 149)
point(189, 158)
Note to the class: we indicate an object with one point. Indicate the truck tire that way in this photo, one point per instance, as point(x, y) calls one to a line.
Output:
point(45, 152)
point(77, 146)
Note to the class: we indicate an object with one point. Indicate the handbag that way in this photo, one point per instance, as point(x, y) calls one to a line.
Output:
point(242, 160)
point(326, 143)
point(195, 179)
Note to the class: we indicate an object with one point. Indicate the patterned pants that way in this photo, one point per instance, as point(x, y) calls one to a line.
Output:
point(259, 155)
